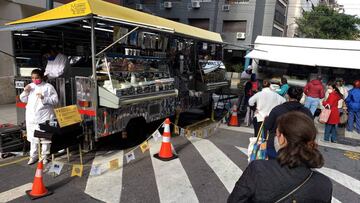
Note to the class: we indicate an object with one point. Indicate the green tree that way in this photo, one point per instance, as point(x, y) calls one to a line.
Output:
point(327, 23)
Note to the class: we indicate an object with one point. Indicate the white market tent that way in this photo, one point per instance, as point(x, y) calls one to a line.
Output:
point(305, 51)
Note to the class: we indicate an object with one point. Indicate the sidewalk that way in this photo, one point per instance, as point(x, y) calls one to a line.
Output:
point(8, 114)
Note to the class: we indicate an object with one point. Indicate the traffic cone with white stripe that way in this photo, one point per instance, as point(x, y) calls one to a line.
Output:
point(234, 118)
point(38, 188)
point(166, 153)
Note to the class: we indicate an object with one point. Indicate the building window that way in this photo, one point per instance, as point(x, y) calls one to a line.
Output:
point(234, 26)
point(200, 23)
point(236, 1)
point(280, 13)
point(276, 32)
point(148, 1)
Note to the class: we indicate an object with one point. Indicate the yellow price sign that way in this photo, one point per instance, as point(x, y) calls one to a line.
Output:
point(68, 115)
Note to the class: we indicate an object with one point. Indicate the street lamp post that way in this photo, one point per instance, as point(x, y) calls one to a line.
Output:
point(49, 4)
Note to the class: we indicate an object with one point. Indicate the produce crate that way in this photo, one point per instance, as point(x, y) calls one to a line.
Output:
point(11, 139)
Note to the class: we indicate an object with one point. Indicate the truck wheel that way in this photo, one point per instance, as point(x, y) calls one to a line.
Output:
point(136, 129)
point(3, 155)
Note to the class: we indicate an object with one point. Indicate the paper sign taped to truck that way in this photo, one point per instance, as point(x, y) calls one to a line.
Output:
point(211, 65)
point(68, 115)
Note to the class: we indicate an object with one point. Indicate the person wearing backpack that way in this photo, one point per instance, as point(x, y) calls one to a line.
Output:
point(251, 88)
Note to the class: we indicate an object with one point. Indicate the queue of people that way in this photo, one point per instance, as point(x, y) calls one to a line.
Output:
point(291, 149)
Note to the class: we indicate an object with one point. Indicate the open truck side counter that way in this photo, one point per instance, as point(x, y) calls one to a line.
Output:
point(125, 66)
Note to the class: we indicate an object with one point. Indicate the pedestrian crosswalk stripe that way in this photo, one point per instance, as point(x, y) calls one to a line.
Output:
point(243, 150)
point(107, 186)
point(334, 200)
point(343, 179)
point(14, 193)
point(227, 171)
point(171, 179)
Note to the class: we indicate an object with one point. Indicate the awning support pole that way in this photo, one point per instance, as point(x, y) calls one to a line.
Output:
point(49, 4)
point(118, 40)
point(94, 77)
point(247, 60)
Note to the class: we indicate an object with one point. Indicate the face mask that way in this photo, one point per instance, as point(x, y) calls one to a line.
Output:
point(51, 58)
point(276, 144)
point(37, 81)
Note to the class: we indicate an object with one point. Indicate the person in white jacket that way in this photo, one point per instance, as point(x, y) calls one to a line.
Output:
point(41, 97)
point(265, 101)
point(57, 63)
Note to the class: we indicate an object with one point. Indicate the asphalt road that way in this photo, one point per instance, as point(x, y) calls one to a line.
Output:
point(205, 171)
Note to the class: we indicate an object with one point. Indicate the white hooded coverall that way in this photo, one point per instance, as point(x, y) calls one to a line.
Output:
point(58, 67)
point(38, 111)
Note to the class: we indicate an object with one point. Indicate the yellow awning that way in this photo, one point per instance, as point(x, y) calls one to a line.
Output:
point(104, 9)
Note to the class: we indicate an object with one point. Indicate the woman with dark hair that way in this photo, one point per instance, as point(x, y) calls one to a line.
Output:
point(41, 97)
point(290, 177)
point(284, 87)
point(332, 102)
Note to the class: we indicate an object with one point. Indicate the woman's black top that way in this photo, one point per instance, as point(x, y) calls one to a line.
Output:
point(267, 181)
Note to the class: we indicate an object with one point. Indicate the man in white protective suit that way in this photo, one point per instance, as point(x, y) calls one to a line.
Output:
point(41, 97)
point(57, 63)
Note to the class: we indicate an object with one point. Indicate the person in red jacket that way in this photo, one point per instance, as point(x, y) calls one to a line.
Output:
point(333, 100)
point(314, 91)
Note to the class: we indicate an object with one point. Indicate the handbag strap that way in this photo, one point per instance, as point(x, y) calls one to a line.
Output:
point(296, 189)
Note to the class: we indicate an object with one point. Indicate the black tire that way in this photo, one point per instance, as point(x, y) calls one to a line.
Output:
point(136, 130)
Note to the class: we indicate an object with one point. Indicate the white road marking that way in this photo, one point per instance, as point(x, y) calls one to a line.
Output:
point(171, 179)
point(320, 141)
point(238, 129)
point(343, 179)
point(243, 150)
point(227, 171)
point(334, 200)
point(15, 193)
point(107, 186)
point(319, 138)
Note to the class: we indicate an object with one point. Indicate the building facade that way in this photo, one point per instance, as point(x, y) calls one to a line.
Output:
point(238, 21)
point(11, 10)
point(295, 10)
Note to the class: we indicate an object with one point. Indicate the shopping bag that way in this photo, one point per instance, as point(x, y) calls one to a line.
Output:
point(325, 114)
point(344, 118)
point(258, 151)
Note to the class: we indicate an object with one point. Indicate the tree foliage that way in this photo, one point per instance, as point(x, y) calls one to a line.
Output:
point(327, 23)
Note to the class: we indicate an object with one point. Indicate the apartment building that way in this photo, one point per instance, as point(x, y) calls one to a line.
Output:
point(239, 21)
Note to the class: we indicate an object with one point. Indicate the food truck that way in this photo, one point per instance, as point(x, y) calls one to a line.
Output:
point(126, 67)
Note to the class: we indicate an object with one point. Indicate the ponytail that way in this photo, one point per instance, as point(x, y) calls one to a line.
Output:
point(337, 91)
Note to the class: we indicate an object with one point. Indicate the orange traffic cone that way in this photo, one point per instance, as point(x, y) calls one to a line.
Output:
point(166, 153)
point(234, 119)
point(38, 188)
